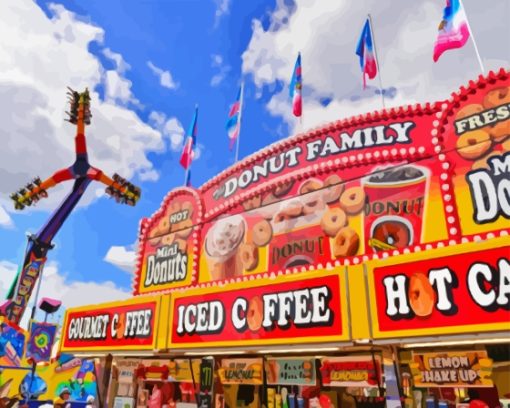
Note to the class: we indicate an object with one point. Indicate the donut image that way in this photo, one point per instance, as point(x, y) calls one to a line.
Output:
point(154, 241)
point(252, 203)
point(483, 163)
point(422, 296)
point(500, 131)
point(185, 228)
point(255, 313)
point(168, 239)
point(390, 234)
point(333, 188)
point(496, 97)
point(262, 233)
point(352, 200)
point(154, 236)
point(188, 206)
point(249, 254)
point(332, 220)
point(269, 199)
point(346, 242)
point(310, 185)
point(164, 225)
point(283, 189)
point(288, 210)
point(469, 110)
point(473, 145)
point(175, 206)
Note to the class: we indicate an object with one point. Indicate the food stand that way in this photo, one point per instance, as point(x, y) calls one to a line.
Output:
point(378, 243)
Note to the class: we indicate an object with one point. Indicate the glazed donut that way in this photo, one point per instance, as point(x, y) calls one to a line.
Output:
point(312, 202)
point(164, 225)
point(391, 234)
point(496, 97)
point(309, 186)
point(184, 228)
point(500, 131)
point(473, 145)
point(249, 254)
point(283, 189)
point(352, 200)
point(255, 313)
point(168, 239)
point(262, 233)
point(346, 243)
point(332, 220)
point(334, 188)
point(252, 203)
point(422, 296)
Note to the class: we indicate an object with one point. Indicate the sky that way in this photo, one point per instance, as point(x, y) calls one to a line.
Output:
point(149, 62)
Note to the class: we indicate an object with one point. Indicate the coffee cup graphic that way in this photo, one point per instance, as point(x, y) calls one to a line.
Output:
point(395, 207)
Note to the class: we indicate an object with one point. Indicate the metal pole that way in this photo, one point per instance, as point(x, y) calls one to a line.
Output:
point(473, 39)
point(377, 61)
point(240, 121)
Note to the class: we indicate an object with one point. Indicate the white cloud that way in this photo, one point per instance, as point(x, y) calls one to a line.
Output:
point(171, 128)
point(5, 219)
point(58, 286)
point(121, 257)
point(42, 57)
point(326, 33)
point(165, 77)
point(121, 65)
point(222, 8)
point(223, 69)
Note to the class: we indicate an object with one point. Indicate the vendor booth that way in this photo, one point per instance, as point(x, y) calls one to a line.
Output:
point(364, 263)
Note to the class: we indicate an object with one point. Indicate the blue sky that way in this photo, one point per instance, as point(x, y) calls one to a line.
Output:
point(151, 61)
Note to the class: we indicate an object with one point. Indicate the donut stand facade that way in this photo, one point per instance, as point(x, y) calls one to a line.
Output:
point(364, 262)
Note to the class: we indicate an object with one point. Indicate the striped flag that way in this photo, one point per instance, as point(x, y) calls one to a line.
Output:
point(366, 54)
point(296, 84)
point(189, 143)
point(234, 118)
point(453, 30)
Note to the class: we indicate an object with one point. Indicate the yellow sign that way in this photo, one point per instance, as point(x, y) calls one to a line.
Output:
point(241, 371)
point(452, 369)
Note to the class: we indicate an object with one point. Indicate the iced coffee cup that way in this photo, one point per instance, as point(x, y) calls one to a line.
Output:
point(394, 209)
point(221, 247)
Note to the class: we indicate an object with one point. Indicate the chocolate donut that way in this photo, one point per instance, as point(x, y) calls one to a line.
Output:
point(391, 234)
point(283, 189)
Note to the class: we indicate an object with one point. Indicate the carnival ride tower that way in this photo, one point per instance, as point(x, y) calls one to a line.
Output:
point(83, 173)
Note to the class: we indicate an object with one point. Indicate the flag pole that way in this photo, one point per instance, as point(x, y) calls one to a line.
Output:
point(240, 121)
point(302, 104)
point(473, 39)
point(186, 175)
point(372, 35)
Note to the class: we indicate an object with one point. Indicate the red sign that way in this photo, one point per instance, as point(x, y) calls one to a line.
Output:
point(127, 325)
point(465, 289)
point(289, 310)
